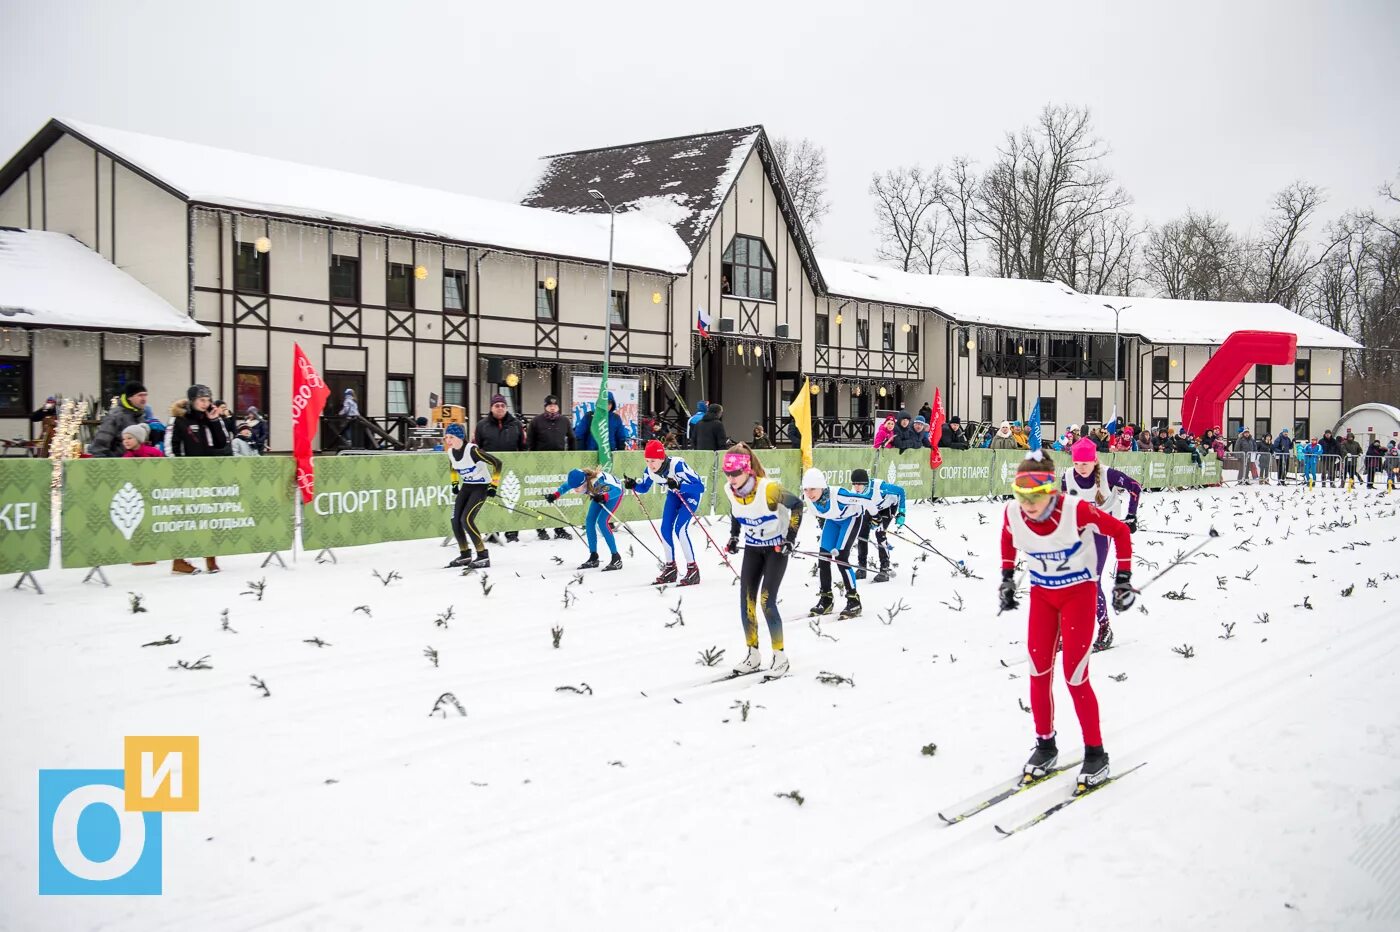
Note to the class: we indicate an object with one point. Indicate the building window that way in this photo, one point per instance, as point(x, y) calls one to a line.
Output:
point(454, 392)
point(617, 308)
point(1302, 372)
point(1233, 426)
point(1300, 429)
point(746, 269)
point(1013, 408)
point(115, 376)
point(1263, 375)
point(964, 336)
point(14, 388)
point(823, 330)
point(398, 289)
point(986, 407)
point(1261, 427)
point(862, 334)
point(454, 290)
point(911, 340)
point(249, 391)
point(1048, 412)
point(1093, 410)
point(546, 302)
point(398, 392)
point(1160, 367)
point(887, 336)
point(250, 269)
point(345, 280)
point(1158, 422)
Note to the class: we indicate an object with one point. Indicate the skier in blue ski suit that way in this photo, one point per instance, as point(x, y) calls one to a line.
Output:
point(888, 503)
point(606, 494)
point(684, 488)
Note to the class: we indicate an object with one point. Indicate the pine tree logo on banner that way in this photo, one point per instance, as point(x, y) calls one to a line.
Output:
point(892, 475)
point(509, 490)
point(1008, 471)
point(127, 510)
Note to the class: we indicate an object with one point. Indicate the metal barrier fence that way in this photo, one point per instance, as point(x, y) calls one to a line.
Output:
point(1327, 470)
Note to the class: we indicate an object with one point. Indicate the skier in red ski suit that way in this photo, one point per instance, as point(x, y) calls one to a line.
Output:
point(1056, 535)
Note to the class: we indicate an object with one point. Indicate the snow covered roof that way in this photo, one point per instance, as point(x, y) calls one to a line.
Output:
point(1023, 304)
point(1164, 320)
point(1015, 303)
point(52, 280)
point(681, 181)
point(239, 181)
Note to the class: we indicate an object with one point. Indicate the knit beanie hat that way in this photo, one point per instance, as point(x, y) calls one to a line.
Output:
point(655, 450)
point(456, 430)
point(860, 477)
point(140, 432)
point(1084, 451)
point(576, 478)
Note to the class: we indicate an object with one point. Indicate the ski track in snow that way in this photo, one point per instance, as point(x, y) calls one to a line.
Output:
point(1272, 798)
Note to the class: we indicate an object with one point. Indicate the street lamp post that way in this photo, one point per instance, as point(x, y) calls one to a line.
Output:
point(607, 295)
point(1116, 311)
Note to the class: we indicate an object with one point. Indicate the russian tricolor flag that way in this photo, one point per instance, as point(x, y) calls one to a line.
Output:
point(702, 322)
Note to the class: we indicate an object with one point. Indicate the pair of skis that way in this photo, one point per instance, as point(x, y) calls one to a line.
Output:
point(1004, 791)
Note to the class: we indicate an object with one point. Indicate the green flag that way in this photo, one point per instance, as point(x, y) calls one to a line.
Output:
point(601, 432)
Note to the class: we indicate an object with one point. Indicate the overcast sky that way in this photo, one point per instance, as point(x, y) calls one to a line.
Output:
point(1211, 104)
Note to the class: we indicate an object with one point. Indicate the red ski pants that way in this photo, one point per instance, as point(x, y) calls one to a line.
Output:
point(1067, 615)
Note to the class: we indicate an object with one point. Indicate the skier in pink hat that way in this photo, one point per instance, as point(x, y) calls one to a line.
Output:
point(1089, 479)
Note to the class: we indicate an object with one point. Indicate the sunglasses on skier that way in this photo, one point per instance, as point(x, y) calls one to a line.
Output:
point(1034, 486)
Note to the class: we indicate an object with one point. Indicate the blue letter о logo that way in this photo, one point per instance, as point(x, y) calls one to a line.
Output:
point(89, 844)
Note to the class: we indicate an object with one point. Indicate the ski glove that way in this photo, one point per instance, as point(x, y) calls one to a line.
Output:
point(1007, 590)
point(490, 491)
point(733, 545)
point(1131, 522)
point(600, 497)
point(899, 520)
point(1123, 594)
point(786, 547)
point(455, 487)
point(629, 483)
point(672, 484)
point(552, 497)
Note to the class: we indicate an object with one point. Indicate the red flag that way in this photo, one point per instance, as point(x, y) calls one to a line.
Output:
point(309, 394)
point(935, 431)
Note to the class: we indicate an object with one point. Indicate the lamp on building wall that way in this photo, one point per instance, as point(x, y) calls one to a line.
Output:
point(1173, 363)
point(758, 351)
point(656, 297)
point(1020, 349)
point(420, 272)
point(882, 391)
point(969, 342)
point(262, 244)
point(839, 318)
point(512, 380)
point(816, 388)
point(549, 283)
point(906, 326)
point(739, 349)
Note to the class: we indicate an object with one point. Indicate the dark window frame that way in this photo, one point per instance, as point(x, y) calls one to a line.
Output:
point(261, 271)
point(822, 333)
point(337, 262)
point(409, 279)
point(1161, 369)
point(265, 386)
point(1013, 407)
point(887, 336)
point(460, 277)
point(764, 270)
point(405, 378)
point(551, 301)
point(1263, 375)
point(23, 405)
point(911, 340)
point(863, 333)
point(461, 400)
point(1049, 409)
point(619, 308)
point(963, 334)
point(986, 408)
point(1302, 372)
point(109, 388)
point(1301, 429)
point(1093, 415)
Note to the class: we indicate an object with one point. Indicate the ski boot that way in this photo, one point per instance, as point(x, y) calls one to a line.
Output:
point(561, 534)
point(542, 534)
point(692, 575)
point(482, 561)
point(463, 559)
point(824, 604)
point(1105, 639)
point(852, 608)
point(1043, 760)
point(860, 573)
point(1094, 772)
point(591, 563)
point(750, 664)
point(668, 574)
point(614, 564)
point(779, 667)
point(883, 575)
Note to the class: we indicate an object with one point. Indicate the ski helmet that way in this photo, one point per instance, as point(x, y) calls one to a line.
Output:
point(814, 478)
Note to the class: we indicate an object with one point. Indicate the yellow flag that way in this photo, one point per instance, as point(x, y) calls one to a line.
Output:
point(801, 411)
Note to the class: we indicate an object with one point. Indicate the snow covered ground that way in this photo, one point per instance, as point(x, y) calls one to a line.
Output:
point(1270, 800)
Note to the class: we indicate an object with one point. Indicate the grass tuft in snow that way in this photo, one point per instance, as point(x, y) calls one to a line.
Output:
point(134, 600)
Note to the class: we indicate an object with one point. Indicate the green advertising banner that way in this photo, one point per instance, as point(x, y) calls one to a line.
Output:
point(371, 499)
point(129, 510)
point(526, 478)
point(26, 533)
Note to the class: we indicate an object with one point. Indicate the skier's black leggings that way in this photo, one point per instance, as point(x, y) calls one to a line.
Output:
point(881, 523)
point(759, 579)
point(470, 498)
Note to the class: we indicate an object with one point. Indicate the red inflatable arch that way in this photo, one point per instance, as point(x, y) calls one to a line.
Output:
point(1203, 405)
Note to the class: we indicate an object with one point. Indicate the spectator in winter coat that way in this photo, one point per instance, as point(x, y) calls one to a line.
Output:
point(196, 431)
point(1375, 453)
point(1003, 439)
point(710, 434)
point(1331, 457)
point(760, 439)
point(1246, 447)
point(1392, 465)
point(700, 408)
point(134, 442)
point(258, 428)
point(1311, 452)
point(617, 431)
point(884, 434)
point(952, 437)
point(243, 442)
point(549, 432)
point(926, 412)
point(129, 409)
point(1123, 442)
point(222, 412)
point(1351, 457)
point(905, 437)
point(349, 411)
point(1283, 453)
point(499, 431)
point(921, 429)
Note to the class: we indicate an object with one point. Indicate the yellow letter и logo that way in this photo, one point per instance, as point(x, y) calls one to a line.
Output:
point(162, 773)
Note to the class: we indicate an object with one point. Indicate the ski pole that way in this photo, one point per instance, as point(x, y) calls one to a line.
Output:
point(1177, 562)
point(706, 531)
point(827, 558)
point(926, 545)
point(642, 505)
point(1149, 530)
point(623, 525)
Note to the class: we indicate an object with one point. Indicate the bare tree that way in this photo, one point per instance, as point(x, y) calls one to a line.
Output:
point(1195, 257)
point(957, 199)
point(803, 164)
point(906, 218)
point(1279, 261)
point(1048, 184)
point(1102, 255)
